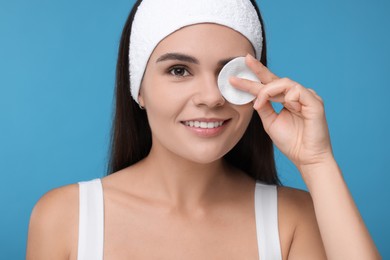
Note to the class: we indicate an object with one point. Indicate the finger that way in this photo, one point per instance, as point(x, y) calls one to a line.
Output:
point(315, 94)
point(291, 100)
point(252, 87)
point(299, 98)
point(291, 94)
point(274, 91)
point(267, 115)
point(261, 71)
point(246, 85)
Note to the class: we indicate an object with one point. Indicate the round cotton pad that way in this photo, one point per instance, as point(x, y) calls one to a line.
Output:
point(237, 68)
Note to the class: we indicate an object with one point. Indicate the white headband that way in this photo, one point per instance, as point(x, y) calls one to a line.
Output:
point(156, 19)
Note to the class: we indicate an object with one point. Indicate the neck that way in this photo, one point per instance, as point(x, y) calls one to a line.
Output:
point(184, 184)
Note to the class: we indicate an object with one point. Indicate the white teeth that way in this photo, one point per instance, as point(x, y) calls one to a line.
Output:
point(204, 125)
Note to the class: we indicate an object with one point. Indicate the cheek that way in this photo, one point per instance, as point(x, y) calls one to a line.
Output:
point(167, 99)
point(245, 112)
point(163, 102)
point(158, 91)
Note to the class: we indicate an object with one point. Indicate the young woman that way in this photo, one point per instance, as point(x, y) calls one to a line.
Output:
point(193, 176)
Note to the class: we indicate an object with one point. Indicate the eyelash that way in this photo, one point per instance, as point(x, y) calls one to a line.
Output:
point(171, 70)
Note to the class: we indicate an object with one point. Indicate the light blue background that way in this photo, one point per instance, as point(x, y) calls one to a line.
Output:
point(57, 62)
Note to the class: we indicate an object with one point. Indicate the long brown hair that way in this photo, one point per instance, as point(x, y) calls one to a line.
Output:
point(131, 138)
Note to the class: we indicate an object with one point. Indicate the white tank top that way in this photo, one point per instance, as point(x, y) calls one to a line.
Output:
point(91, 221)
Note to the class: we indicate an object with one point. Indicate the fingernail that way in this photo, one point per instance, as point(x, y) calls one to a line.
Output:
point(234, 79)
point(250, 56)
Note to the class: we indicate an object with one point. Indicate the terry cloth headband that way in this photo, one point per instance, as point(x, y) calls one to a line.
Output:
point(156, 19)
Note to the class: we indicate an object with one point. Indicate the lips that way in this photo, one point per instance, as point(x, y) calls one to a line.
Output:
point(206, 127)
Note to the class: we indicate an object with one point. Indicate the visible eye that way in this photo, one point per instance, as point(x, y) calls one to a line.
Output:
point(179, 72)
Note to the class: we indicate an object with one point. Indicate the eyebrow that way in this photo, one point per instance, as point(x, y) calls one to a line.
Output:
point(188, 58)
point(178, 56)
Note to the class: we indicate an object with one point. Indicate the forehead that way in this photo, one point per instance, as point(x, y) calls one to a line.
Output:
point(205, 39)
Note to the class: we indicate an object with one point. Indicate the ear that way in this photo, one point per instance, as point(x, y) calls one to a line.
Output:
point(141, 100)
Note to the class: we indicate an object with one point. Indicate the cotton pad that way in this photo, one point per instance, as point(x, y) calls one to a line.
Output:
point(237, 68)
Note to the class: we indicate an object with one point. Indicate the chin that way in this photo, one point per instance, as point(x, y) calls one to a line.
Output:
point(205, 160)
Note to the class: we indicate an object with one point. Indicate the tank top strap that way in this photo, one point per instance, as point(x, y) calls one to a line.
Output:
point(91, 220)
point(266, 212)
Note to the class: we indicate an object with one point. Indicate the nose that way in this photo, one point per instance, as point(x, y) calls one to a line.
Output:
point(207, 93)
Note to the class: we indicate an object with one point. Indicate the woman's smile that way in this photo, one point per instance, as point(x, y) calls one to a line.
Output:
point(206, 127)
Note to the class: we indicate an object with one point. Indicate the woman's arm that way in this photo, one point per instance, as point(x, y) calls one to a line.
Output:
point(343, 231)
point(300, 131)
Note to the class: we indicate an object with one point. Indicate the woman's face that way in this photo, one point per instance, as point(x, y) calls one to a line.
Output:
point(187, 114)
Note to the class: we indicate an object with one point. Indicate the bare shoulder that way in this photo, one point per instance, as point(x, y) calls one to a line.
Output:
point(296, 201)
point(53, 225)
point(300, 235)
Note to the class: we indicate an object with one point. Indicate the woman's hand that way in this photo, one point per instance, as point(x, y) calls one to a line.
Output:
point(300, 130)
